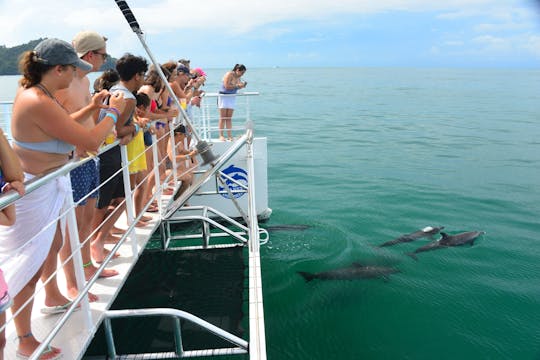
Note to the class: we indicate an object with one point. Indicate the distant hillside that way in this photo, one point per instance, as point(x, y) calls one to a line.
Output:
point(9, 58)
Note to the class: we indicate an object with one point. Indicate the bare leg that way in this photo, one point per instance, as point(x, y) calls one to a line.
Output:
point(222, 122)
point(98, 245)
point(27, 342)
point(53, 296)
point(228, 123)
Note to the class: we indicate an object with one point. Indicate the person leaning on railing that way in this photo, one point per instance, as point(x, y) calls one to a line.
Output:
point(44, 136)
point(11, 178)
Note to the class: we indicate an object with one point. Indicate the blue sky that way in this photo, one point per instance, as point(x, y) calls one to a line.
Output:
point(215, 33)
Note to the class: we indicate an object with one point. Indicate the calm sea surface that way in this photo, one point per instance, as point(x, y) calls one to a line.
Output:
point(363, 155)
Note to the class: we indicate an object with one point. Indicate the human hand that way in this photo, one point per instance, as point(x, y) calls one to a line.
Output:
point(196, 101)
point(18, 186)
point(172, 112)
point(99, 98)
point(124, 140)
point(117, 101)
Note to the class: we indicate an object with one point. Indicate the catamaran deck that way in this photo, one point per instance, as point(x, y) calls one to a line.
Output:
point(73, 331)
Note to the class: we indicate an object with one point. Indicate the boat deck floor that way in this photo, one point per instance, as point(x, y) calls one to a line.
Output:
point(73, 338)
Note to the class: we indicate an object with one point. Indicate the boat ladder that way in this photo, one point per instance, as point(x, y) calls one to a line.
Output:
point(240, 345)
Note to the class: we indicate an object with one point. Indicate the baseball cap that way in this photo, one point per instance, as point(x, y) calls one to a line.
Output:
point(184, 69)
point(59, 52)
point(86, 41)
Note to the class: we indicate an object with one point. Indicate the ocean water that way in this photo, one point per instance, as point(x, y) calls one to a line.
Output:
point(363, 155)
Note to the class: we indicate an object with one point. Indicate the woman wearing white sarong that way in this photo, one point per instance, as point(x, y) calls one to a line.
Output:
point(226, 103)
point(43, 138)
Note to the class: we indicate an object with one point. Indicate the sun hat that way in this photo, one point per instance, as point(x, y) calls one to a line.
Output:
point(87, 41)
point(59, 52)
point(199, 71)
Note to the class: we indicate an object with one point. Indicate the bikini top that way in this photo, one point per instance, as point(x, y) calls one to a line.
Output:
point(54, 146)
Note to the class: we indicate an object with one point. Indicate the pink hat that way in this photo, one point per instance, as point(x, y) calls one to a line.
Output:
point(199, 71)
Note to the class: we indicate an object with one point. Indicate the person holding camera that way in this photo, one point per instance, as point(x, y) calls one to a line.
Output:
point(226, 101)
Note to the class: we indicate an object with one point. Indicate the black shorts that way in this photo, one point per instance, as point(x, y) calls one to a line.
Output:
point(109, 163)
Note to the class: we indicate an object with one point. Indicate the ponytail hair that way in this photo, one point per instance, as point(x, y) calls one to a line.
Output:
point(32, 69)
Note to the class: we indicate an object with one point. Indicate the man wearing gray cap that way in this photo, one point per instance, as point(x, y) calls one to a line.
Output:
point(92, 48)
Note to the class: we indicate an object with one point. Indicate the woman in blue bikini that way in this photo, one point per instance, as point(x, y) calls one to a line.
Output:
point(44, 136)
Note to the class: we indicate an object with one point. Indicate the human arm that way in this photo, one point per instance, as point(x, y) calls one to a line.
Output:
point(11, 167)
point(96, 103)
point(13, 176)
point(54, 121)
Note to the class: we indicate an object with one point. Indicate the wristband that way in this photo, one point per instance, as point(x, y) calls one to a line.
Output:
point(112, 116)
point(114, 110)
point(136, 128)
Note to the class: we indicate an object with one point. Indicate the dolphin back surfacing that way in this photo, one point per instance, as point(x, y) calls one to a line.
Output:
point(355, 271)
point(425, 232)
point(449, 240)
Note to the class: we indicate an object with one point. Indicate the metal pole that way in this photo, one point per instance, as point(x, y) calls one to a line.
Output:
point(204, 150)
point(129, 199)
point(74, 241)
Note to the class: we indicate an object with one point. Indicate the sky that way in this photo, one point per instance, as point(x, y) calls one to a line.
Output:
point(297, 33)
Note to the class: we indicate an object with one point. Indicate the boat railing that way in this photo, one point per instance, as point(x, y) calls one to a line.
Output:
point(206, 117)
point(68, 217)
point(89, 323)
point(241, 346)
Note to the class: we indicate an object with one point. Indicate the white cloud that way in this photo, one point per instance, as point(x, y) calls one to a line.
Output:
point(33, 18)
point(498, 30)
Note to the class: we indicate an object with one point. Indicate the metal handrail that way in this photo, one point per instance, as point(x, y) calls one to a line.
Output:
point(175, 314)
point(237, 145)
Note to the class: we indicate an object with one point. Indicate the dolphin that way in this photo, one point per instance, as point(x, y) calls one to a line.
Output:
point(286, 227)
point(425, 232)
point(355, 271)
point(449, 240)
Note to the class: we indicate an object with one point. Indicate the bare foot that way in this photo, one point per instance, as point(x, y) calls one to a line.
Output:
point(89, 272)
point(98, 255)
point(27, 345)
point(146, 218)
point(55, 298)
point(141, 224)
point(112, 239)
point(74, 292)
point(222, 138)
point(117, 231)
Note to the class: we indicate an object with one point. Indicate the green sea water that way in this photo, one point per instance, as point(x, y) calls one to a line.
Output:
point(364, 155)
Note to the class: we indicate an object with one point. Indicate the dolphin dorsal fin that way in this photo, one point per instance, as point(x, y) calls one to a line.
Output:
point(357, 264)
point(444, 239)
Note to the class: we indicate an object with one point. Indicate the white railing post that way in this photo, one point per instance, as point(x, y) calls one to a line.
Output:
point(78, 265)
point(157, 181)
point(130, 209)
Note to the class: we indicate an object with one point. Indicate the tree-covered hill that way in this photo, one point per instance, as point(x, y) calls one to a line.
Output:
point(9, 58)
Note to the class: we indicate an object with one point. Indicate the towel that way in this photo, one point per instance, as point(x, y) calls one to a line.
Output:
point(25, 245)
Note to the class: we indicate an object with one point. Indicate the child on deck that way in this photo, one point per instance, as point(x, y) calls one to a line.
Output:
point(185, 159)
point(137, 157)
